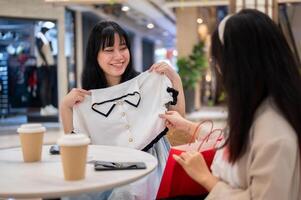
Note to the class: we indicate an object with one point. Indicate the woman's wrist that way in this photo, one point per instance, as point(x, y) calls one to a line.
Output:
point(176, 81)
point(66, 116)
point(64, 105)
point(191, 127)
point(65, 108)
point(208, 182)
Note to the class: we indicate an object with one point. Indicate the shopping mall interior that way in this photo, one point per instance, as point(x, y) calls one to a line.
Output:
point(159, 30)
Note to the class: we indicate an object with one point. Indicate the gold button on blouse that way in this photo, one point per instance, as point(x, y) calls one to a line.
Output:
point(127, 126)
point(131, 139)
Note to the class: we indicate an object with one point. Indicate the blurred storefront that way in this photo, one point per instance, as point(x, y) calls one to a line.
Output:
point(22, 81)
point(159, 30)
point(21, 72)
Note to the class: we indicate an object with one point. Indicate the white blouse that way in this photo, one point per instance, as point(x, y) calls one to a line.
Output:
point(126, 114)
point(224, 170)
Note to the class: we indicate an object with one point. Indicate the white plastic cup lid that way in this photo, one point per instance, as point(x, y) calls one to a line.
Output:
point(31, 128)
point(73, 140)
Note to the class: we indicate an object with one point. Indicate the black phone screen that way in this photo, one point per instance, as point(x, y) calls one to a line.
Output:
point(104, 165)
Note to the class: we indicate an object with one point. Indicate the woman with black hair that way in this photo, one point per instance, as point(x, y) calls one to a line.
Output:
point(101, 70)
point(109, 79)
point(260, 158)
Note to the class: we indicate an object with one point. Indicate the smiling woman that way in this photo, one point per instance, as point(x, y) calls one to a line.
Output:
point(108, 57)
point(118, 98)
point(114, 59)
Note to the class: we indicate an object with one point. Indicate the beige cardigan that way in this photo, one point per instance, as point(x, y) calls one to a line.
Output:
point(270, 169)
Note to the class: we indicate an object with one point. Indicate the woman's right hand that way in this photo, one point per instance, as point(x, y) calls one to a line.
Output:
point(175, 121)
point(75, 96)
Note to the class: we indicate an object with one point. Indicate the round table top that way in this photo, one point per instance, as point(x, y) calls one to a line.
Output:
point(45, 179)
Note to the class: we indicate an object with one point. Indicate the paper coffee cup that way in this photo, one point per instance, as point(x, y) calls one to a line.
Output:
point(73, 150)
point(31, 138)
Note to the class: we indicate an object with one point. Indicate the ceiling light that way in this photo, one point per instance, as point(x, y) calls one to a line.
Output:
point(199, 20)
point(150, 25)
point(125, 8)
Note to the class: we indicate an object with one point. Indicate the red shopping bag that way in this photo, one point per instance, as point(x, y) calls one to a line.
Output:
point(175, 181)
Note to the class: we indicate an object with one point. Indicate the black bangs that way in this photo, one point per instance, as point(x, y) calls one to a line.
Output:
point(108, 38)
point(122, 40)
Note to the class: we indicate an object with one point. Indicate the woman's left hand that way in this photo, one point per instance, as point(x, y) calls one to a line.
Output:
point(166, 69)
point(195, 166)
point(173, 76)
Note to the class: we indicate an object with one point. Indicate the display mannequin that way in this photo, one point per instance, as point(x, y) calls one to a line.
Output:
point(46, 72)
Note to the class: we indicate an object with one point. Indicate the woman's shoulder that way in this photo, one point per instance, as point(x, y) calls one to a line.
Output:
point(270, 125)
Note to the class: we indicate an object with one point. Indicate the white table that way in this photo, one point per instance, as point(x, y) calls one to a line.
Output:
point(45, 179)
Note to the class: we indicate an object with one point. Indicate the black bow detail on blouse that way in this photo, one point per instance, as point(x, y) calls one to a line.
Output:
point(132, 99)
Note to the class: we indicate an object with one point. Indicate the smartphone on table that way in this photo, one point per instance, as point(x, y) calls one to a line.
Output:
point(105, 165)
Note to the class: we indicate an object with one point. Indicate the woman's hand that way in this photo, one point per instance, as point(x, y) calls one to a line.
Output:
point(195, 166)
point(166, 69)
point(175, 121)
point(75, 96)
point(173, 76)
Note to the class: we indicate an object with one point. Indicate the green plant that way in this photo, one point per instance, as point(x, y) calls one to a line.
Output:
point(210, 103)
point(222, 97)
point(187, 74)
point(191, 68)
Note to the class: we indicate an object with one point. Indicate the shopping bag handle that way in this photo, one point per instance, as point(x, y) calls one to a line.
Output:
point(206, 138)
point(197, 129)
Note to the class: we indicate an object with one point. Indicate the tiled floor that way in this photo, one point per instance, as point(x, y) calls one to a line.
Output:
point(9, 137)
